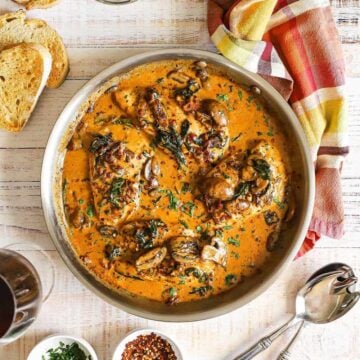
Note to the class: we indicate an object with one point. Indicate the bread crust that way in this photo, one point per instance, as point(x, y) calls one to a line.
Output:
point(36, 4)
point(24, 71)
point(15, 29)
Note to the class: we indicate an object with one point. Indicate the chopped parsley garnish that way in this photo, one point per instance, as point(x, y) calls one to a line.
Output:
point(184, 224)
point(123, 121)
point(240, 94)
point(90, 210)
point(174, 202)
point(222, 97)
point(188, 208)
point(172, 292)
point(235, 255)
point(230, 279)
point(279, 203)
point(182, 279)
point(66, 352)
point(81, 201)
point(227, 227)
point(116, 191)
point(185, 187)
point(233, 241)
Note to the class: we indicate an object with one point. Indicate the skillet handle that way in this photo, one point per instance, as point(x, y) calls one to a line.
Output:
point(266, 341)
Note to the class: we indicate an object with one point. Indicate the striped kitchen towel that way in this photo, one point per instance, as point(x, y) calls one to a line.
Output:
point(294, 45)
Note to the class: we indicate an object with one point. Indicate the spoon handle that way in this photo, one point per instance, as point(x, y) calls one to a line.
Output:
point(285, 354)
point(266, 341)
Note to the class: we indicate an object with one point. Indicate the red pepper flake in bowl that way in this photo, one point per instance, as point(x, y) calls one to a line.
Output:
point(148, 347)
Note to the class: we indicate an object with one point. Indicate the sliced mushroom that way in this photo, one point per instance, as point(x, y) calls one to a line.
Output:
point(237, 206)
point(151, 171)
point(217, 111)
point(261, 186)
point(78, 218)
point(108, 231)
point(215, 252)
point(151, 259)
point(271, 217)
point(184, 249)
point(178, 76)
point(201, 64)
point(157, 108)
point(155, 166)
point(219, 188)
point(248, 173)
point(75, 143)
point(273, 242)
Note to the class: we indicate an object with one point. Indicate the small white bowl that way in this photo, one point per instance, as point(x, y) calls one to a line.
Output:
point(132, 335)
point(53, 341)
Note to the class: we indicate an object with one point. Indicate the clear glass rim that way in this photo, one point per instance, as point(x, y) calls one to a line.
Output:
point(116, 2)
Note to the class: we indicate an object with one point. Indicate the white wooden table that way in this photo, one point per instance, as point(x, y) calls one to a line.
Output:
point(96, 36)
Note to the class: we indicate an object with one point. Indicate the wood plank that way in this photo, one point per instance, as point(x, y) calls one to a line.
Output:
point(104, 325)
point(88, 23)
point(52, 102)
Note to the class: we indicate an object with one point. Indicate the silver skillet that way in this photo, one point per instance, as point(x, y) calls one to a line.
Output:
point(51, 193)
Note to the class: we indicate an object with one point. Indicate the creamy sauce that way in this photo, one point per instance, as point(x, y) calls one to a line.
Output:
point(177, 198)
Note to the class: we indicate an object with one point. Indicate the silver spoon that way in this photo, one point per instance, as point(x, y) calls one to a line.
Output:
point(340, 288)
point(325, 297)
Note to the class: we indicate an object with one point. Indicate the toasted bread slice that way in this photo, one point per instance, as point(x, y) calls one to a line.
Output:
point(36, 4)
point(14, 29)
point(24, 70)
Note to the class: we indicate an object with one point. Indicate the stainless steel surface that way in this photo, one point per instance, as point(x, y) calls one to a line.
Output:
point(327, 295)
point(286, 354)
point(206, 308)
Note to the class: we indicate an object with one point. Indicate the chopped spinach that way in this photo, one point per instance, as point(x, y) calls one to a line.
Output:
point(262, 168)
point(145, 236)
point(116, 191)
point(242, 189)
point(185, 126)
point(171, 141)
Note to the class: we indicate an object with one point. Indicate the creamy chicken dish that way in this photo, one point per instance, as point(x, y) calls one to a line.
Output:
point(177, 183)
